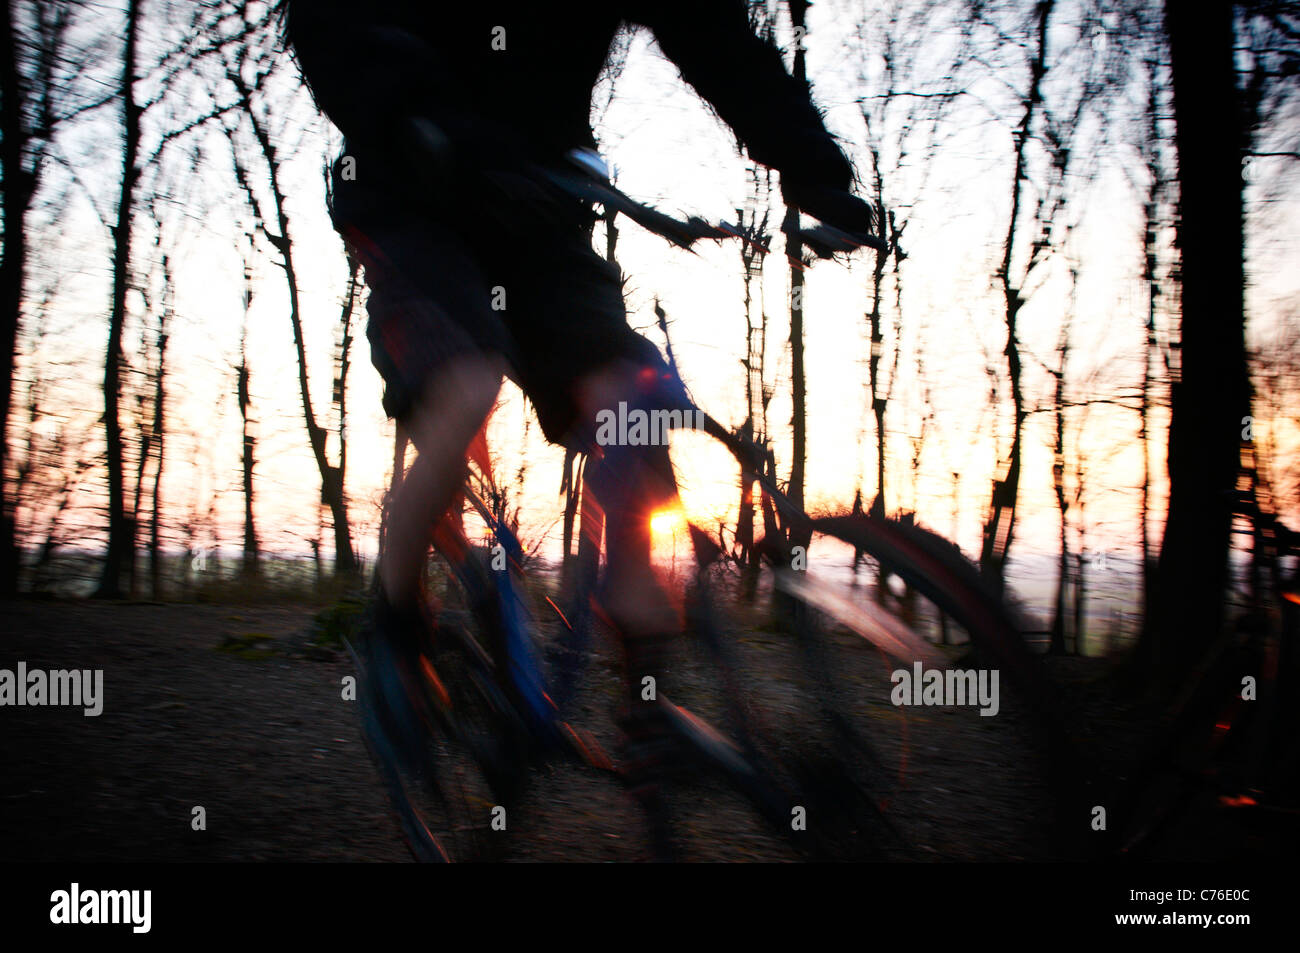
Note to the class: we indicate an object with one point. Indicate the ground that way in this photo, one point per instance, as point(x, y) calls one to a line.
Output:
point(234, 709)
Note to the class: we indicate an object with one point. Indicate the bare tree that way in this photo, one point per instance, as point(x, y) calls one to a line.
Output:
point(45, 474)
point(174, 67)
point(795, 253)
point(119, 535)
point(752, 226)
point(251, 564)
point(160, 427)
point(27, 120)
point(151, 423)
point(1058, 373)
point(1211, 395)
point(1047, 146)
point(280, 238)
point(1268, 34)
point(999, 530)
point(1155, 216)
point(343, 364)
point(902, 110)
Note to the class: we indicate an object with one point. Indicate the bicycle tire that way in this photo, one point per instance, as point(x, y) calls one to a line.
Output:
point(478, 755)
point(934, 567)
point(847, 770)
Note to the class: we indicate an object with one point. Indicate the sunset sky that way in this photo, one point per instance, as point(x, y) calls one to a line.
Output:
point(669, 150)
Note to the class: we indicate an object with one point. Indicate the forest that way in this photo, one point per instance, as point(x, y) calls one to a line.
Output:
point(1075, 354)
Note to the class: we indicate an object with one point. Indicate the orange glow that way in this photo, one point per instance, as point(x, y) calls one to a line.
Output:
point(664, 522)
point(1244, 801)
point(589, 748)
point(562, 616)
point(435, 682)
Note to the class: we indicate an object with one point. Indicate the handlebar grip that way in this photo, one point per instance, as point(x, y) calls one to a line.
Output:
point(836, 208)
point(825, 241)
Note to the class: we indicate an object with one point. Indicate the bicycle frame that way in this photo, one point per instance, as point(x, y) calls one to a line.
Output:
point(738, 760)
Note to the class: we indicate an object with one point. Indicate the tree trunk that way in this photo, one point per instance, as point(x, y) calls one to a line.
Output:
point(748, 554)
point(16, 194)
point(119, 529)
point(1057, 644)
point(342, 539)
point(1210, 398)
point(1150, 274)
point(753, 254)
point(251, 562)
point(331, 493)
point(1080, 601)
point(999, 532)
point(143, 428)
point(571, 487)
point(159, 435)
point(801, 535)
point(878, 401)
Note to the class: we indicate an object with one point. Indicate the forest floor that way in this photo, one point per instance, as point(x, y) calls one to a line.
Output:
point(239, 710)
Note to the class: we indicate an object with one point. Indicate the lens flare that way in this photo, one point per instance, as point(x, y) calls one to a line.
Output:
point(663, 522)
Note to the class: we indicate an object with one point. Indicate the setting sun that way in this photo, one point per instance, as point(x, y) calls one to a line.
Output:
point(664, 522)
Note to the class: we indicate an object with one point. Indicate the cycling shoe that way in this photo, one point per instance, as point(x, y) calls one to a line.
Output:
point(395, 672)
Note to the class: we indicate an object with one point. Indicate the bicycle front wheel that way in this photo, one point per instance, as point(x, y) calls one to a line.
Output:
point(900, 748)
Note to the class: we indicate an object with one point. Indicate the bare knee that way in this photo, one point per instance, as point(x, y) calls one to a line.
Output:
point(454, 404)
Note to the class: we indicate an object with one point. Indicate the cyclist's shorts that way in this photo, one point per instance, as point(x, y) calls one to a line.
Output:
point(552, 308)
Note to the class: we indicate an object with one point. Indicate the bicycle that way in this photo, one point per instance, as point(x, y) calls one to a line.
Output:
point(500, 705)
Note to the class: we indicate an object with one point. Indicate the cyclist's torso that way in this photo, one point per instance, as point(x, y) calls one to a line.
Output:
point(529, 67)
point(500, 80)
point(525, 68)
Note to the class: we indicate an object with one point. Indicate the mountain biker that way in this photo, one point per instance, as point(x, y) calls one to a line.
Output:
point(477, 273)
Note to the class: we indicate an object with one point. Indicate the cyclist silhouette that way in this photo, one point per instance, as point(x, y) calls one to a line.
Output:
point(476, 274)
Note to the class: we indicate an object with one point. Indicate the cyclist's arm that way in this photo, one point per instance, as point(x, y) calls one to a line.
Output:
point(745, 80)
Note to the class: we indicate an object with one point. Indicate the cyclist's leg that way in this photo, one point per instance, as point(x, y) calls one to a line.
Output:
point(580, 357)
point(441, 352)
point(441, 424)
point(630, 483)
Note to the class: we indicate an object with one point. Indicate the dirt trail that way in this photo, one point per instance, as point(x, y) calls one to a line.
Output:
point(265, 743)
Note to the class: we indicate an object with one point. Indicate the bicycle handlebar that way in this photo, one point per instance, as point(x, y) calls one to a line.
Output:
point(589, 181)
point(592, 189)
